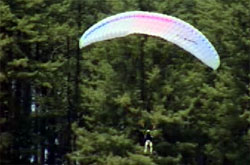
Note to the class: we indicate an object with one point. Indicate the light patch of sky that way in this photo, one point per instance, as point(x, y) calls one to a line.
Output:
point(56, 141)
point(33, 107)
point(32, 158)
point(46, 153)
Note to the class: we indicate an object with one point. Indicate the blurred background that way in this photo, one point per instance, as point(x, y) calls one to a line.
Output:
point(62, 105)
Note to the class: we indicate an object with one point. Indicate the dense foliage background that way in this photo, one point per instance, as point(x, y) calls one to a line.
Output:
point(62, 105)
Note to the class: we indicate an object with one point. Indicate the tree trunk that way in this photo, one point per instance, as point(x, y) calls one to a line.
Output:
point(142, 74)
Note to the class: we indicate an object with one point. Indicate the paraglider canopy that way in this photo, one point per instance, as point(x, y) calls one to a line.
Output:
point(166, 27)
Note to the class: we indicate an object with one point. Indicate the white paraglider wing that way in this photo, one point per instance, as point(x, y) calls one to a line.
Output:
point(167, 27)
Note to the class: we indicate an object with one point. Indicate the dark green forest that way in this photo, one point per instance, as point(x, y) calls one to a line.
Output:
point(65, 105)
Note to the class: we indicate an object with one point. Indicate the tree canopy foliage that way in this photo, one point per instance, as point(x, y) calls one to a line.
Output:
point(62, 105)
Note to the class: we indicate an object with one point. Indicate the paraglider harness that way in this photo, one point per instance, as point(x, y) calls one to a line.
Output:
point(148, 145)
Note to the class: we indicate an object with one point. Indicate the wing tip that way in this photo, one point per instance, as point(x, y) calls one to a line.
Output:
point(216, 66)
point(82, 44)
